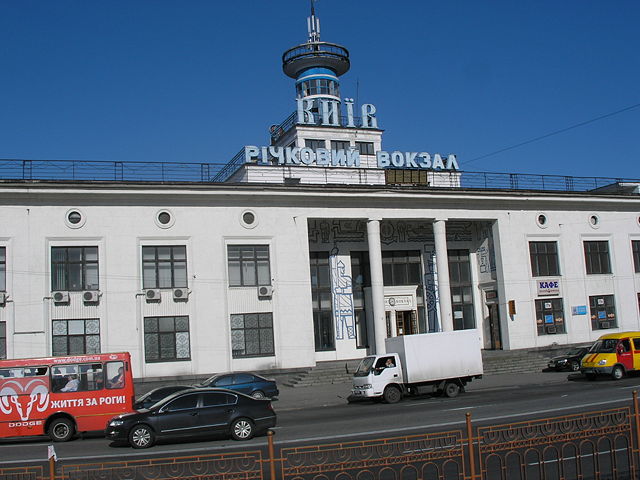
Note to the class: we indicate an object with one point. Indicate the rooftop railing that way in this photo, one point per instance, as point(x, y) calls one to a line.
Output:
point(216, 173)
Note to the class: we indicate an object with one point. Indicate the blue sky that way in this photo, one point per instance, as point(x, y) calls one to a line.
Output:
point(196, 80)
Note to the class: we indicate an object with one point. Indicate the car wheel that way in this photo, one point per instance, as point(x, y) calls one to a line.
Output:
point(258, 394)
point(392, 394)
point(617, 373)
point(451, 389)
point(575, 366)
point(242, 429)
point(141, 436)
point(61, 430)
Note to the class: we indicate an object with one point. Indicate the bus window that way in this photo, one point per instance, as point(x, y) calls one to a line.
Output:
point(35, 371)
point(67, 379)
point(91, 377)
point(115, 375)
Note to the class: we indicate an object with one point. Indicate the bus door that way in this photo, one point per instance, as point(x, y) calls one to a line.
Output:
point(636, 353)
point(624, 354)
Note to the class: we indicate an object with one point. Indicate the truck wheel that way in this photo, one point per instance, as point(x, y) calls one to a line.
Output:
point(392, 394)
point(617, 372)
point(451, 389)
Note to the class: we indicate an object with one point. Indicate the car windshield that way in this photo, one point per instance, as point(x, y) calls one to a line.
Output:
point(208, 381)
point(365, 367)
point(604, 346)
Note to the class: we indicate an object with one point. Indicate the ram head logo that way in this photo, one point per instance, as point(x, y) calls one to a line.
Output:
point(23, 397)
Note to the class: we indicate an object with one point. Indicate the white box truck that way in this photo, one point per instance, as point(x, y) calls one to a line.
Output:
point(446, 361)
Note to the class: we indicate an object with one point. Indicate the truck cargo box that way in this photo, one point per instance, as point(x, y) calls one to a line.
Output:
point(436, 356)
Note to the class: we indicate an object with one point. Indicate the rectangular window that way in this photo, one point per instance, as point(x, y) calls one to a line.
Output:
point(314, 144)
point(340, 145)
point(635, 247)
point(394, 176)
point(603, 312)
point(74, 268)
point(252, 335)
point(321, 301)
point(75, 337)
point(166, 339)
point(365, 148)
point(248, 265)
point(461, 289)
point(164, 266)
point(3, 269)
point(596, 255)
point(3, 340)
point(544, 259)
point(550, 316)
point(401, 268)
point(360, 274)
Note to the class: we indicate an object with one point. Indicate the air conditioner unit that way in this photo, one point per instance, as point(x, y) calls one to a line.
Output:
point(3, 298)
point(152, 294)
point(180, 293)
point(265, 291)
point(90, 296)
point(60, 297)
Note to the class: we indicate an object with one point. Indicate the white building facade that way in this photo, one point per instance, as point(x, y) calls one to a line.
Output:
point(283, 262)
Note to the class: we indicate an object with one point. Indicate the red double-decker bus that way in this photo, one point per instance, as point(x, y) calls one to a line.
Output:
point(59, 396)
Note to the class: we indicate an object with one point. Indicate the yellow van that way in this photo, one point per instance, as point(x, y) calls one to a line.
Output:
point(613, 354)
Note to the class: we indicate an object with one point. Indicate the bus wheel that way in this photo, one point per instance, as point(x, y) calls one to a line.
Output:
point(61, 430)
point(617, 372)
point(141, 436)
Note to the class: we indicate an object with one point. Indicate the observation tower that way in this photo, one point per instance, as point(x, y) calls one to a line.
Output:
point(315, 65)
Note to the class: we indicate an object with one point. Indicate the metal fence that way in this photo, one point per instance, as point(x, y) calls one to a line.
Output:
point(212, 173)
point(594, 445)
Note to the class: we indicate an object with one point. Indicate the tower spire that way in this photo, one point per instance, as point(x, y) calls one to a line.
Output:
point(313, 25)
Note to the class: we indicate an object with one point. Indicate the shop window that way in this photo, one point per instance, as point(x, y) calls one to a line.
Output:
point(248, 265)
point(164, 266)
point(252, 335)
point(596, 254)
point(3, 269)
point(635, 247)
point(314, 144)
point(321, 301)
point(550, 316)
point(166, 339)
point(544, 259)
point(75, 337)
point(340, 145)
point(365, 148)
point(74, 268)
point(603, 312)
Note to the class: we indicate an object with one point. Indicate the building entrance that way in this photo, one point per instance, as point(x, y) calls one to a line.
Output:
point(494, 327)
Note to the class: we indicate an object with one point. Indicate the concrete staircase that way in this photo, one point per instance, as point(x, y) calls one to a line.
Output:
point(494, 361)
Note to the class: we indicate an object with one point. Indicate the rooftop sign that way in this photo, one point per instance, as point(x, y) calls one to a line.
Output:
point(322, 157)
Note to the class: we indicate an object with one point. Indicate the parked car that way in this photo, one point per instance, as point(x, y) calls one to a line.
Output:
point(194, 412)
point(154, 396)
point(248, 383)
point(569, 361)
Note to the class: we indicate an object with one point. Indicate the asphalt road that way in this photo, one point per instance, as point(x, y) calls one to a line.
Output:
point(344, 422)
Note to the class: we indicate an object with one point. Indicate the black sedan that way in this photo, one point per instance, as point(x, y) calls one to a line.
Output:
point(154, 396)
point(195, 412)
point(248, 383)
point(569, 361)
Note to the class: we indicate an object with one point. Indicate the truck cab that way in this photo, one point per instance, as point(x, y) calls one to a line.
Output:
point(375, 373)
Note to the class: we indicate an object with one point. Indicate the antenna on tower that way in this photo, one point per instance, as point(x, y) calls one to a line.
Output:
point(313, 25)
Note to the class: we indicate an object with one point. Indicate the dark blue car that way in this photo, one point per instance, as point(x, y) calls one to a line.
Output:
point(248, 383)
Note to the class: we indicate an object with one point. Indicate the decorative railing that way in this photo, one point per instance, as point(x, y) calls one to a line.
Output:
point(592, 445)
point(174, 172)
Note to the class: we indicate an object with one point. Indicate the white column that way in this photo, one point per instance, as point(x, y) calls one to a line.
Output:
point(377, 285)
point(442, 264)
